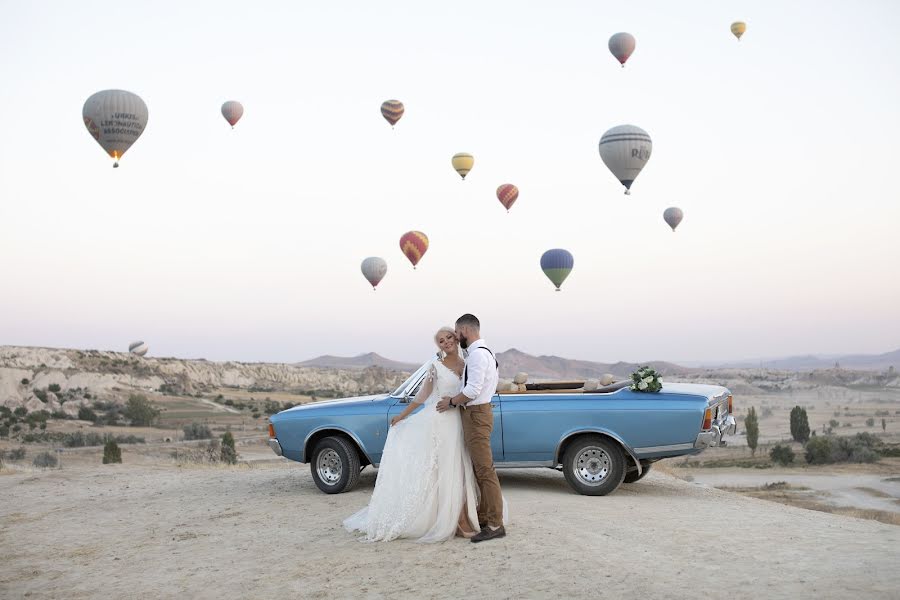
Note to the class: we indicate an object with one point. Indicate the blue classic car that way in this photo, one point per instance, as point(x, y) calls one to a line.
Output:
point(598, 438)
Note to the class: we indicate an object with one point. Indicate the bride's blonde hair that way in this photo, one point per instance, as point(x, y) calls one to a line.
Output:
point(444, 329)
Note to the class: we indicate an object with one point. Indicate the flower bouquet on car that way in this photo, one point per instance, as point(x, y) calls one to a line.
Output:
point(646, 379)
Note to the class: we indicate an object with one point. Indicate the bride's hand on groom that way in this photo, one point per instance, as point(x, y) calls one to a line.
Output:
point(443, 404)
point(396, 420)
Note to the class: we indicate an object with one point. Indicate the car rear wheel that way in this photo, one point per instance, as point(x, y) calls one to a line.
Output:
point(335, 465)
point(594, 465)
point(632, 476)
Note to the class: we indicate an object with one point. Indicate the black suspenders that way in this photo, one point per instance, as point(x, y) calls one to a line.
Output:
point(466, 369)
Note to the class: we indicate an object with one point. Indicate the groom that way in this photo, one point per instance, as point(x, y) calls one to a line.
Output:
point(480, 379)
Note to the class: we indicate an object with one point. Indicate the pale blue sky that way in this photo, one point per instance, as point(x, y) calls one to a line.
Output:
point(246, 244)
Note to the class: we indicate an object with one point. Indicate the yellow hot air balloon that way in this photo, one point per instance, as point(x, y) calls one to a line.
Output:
point(463, 163)
point(738, 28)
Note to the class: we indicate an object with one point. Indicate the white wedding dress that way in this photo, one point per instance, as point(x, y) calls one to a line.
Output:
point(425, 474)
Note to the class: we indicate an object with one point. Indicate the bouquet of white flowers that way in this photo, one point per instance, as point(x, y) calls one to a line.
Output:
point(646, 379)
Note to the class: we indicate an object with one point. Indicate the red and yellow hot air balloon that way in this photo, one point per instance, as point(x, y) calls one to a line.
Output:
point(414, 244)
point(392, 110)
point(507, 194)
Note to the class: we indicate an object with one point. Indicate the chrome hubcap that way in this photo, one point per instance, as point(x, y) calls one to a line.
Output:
point(592, 465)
point(329, 467)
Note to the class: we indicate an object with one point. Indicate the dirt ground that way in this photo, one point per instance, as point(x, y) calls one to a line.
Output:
point(261, 529)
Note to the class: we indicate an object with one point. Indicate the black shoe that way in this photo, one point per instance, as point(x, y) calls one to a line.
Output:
point(488, 534)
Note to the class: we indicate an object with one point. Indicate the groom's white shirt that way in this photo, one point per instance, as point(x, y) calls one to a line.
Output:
point(482, 374)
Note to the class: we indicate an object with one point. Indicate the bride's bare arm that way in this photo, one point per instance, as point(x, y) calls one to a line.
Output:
point(423, 394)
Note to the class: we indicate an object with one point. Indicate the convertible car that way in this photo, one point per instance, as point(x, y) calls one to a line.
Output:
point(599, 437)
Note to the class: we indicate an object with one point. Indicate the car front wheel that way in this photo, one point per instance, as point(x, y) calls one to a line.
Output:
point(335, 465)
point(594, 465)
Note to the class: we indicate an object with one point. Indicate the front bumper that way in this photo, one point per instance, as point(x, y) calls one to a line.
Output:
point(275, 446)
point(713, 437)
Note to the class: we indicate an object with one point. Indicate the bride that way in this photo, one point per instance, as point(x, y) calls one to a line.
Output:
point(426, 488)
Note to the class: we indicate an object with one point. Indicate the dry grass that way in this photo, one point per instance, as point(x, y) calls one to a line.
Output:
point(800, 497)
point(874, 492)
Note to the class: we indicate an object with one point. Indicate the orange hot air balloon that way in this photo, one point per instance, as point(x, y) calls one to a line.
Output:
point(507, 194)
point(392, 110)
point(414, 244)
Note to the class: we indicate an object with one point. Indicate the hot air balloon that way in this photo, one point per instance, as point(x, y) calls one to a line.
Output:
point(673, 216)
point(738, 28)
point(392, 110)
point(414, 244)
point(374, 270)
point(138, 348)
point(625, 150)
point(232, 111)
point(507, 194)
point(463, 163)
point(116, 119)
point(621, 45)
point(557, 264)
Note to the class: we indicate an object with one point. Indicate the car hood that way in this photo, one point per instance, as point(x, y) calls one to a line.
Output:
point(323, 403)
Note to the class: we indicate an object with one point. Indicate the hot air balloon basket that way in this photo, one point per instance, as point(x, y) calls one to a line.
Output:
point(646, 379)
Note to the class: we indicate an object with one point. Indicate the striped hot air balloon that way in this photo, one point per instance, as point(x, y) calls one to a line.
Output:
point(374, 270)
point(138, 348)
point(116, 119)
point(625, 150)
point(673, 216)
point(463, 163)
point(557, 264)
point(392, 110)
point(738, 28)
point(414, 245)
point(507, 194)
point(621, 45)
point(232, 111)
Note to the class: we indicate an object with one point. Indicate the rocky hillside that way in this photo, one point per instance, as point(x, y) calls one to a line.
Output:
point(362, 361)
point(58, 379)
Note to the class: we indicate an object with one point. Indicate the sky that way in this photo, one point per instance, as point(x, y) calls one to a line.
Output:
point(246, 244)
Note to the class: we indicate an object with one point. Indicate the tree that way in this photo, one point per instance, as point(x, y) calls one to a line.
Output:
point(799, 425)
point(751, 424)
point(111, 453)
point(870, 422)
point(883, 425)
point(140, 411)
point(229, 454)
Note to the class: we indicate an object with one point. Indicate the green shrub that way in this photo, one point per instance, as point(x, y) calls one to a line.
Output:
point(862, 448)
point(255, 415)
point(20, 411)
point(782, 455)
point(41, 395)
point(45, 460)
point(58, 414)
point(54, 387)
point(86, 414)
point(197, 431)
point(870, 422)
point(16, 453)
point(141, 411)
point(111, 453)
point(4, 430)
point(229, 454)
point(25, 381)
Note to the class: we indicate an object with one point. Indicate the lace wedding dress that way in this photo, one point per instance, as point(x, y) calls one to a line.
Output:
point(425, 475)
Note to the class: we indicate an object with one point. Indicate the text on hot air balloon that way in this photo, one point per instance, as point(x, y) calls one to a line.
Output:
point(641, 153)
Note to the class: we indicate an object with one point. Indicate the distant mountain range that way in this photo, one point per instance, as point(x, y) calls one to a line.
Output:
point(511, 362)
point(811, 362)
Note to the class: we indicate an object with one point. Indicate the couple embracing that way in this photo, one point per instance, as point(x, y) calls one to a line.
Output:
point(436, 478)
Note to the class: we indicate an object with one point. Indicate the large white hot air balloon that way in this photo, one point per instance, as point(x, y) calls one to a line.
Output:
point(374, 269)
point(139, 348)
point(625, 150)
point(116, 119)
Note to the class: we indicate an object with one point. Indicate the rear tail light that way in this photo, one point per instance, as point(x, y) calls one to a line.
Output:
point(707, 419)
point(271, 430)
point(730, 404)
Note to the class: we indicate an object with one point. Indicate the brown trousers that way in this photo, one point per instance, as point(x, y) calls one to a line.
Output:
point(477, 422)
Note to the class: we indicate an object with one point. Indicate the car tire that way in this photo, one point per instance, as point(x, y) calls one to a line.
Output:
point(632, 476)
point(335, 465)
point(594, 465)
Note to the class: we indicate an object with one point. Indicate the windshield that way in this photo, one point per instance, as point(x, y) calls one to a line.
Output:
point(410, 382)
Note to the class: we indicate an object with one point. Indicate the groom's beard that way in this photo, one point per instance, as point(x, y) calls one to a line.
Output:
point(463, 342)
